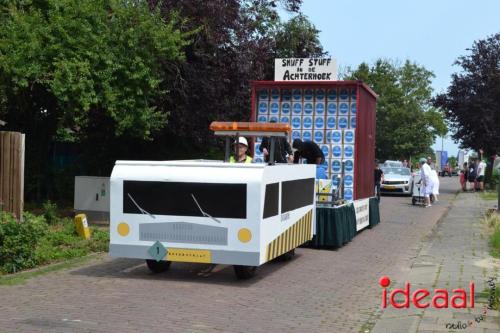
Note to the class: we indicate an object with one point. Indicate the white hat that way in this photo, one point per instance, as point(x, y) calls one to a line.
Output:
point(242, 140)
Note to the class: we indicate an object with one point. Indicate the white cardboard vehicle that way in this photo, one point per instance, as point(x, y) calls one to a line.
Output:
point(212, 211)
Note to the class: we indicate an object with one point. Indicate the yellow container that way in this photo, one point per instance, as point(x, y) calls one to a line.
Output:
point(82, 227)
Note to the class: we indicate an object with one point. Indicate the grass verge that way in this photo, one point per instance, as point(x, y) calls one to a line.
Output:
point(489, 195)
point(492, 221)
point(22, 277)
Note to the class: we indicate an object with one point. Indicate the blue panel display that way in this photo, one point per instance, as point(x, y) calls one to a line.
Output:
point(349, 136)
point(318, 136)
point(349, 166)
point(332, 94)
point(332, 108)
point(348, 151)
point(337, 151)
point(320, 94)
point(353, 95)
point(297, 108)
point(297, 95)
point(343, 108)
point(263, 94)
point(342, 122)
point(273, 119)
point(285, 108)
point(286, 95)
point(348, 180)
point(336, 166)
point(308, 95)
point(263, 107)
point(353, 121)
point(326, 150)
point(285, 119)
point(275, 94)
point(275, 108)
point(348, 194)
point(262, 119)
point(353, 108)
point(306, 135)
point(336, 137)
point(344, 94)
point(295, 135)
point(296, 122)
point(308, 108)
point(331, 122)
point(319, 108)
point(319, 122)
point(307, 122)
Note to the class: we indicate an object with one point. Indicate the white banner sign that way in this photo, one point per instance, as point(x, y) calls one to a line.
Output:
point(305, 69)
point(362, 208)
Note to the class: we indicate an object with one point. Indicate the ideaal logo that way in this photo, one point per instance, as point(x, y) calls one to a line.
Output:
point(439, 299)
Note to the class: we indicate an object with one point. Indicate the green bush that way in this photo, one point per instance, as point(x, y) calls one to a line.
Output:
point(50, 212)
point(18, 241)
point(34, 242)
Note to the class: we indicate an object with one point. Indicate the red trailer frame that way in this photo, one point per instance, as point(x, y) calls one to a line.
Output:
point(364, 145)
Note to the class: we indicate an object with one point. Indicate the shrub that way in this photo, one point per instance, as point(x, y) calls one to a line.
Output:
point(50, 212)
point(19, 240)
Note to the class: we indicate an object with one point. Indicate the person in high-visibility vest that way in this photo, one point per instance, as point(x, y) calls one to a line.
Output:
point(242, 152)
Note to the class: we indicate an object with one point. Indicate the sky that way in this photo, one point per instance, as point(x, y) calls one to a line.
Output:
point(431, 33)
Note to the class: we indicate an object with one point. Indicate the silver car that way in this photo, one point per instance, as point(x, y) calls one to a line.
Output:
point(397, 180)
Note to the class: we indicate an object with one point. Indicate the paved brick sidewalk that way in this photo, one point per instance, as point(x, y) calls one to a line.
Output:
point(454, 254)
point(319, 291)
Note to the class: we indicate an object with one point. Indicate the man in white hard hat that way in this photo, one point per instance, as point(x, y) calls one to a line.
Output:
point(242, 152)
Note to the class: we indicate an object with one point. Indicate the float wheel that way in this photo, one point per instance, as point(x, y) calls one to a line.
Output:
point(158, 266)
point(244, 272)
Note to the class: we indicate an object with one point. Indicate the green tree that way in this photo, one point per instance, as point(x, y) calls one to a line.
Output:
point(71, 68)
point(298, 38)
point(407, 123)
point(471, 102)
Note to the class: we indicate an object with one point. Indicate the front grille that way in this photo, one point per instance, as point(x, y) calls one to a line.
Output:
point(394, 182)
point(183, 232)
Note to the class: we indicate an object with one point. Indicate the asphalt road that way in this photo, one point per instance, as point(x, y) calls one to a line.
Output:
point(318, 291)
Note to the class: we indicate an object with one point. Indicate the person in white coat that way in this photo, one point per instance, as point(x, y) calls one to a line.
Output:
point(435, 184)
point(425, 178)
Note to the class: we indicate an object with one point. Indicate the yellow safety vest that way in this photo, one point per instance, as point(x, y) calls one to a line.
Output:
point(248, 159)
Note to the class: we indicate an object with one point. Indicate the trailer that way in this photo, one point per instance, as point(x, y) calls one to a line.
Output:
point(212, 212)
point(337, 115)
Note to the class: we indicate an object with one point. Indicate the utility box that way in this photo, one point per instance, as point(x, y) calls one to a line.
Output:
point(92, 197)
point(337, 115)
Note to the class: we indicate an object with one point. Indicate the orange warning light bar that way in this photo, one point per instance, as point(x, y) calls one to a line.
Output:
point(248, 127)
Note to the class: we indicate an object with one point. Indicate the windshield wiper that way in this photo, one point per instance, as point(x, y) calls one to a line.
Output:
point(202, 211)
point(139, 207)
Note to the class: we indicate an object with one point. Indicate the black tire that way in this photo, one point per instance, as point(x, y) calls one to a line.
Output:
point(158, 266)
point(244, 272)
point(287, 256)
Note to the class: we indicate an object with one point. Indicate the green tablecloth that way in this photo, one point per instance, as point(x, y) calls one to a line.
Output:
point(334, 226)
point(374, 212)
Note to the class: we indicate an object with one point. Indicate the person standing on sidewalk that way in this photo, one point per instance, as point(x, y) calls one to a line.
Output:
point(425, 178)
point(379, 178)
point(481, 169)
point(464, 174)
point(435, 185)
point(472, 175)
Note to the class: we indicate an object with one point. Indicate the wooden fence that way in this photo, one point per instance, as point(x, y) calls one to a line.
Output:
point(12, 173)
